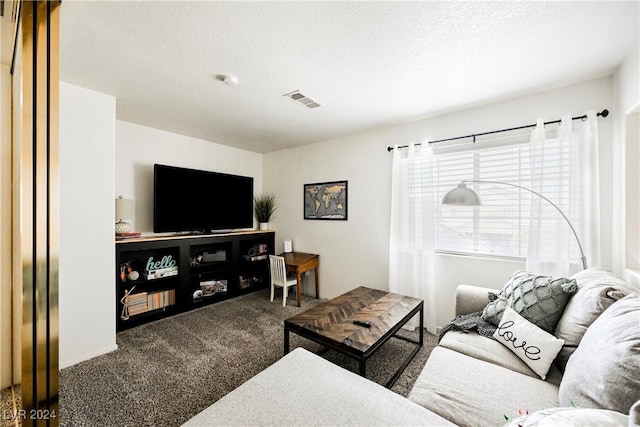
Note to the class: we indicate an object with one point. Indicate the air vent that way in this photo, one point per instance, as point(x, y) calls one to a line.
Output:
point(303, 100)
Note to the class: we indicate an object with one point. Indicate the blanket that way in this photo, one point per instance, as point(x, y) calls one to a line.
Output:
point(469, 322)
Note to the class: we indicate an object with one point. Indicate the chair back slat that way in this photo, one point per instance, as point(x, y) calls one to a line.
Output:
point(278, 270)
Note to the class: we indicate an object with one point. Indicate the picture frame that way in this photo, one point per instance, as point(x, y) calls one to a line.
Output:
point(326, 200)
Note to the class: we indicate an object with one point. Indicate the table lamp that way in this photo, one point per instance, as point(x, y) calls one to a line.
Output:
point(124, 210)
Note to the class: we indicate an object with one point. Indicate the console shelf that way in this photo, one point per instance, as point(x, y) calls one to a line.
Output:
point(158, 277)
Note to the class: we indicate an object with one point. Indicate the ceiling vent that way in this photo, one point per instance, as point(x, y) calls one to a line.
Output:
point(303, 100)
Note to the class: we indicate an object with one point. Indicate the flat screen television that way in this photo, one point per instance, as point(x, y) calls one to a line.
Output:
point(190, 200)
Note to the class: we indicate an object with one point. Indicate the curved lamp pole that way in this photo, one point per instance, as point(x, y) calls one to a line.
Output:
point(464, 196)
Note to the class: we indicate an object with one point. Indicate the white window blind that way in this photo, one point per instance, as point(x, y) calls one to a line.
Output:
point(499, 227)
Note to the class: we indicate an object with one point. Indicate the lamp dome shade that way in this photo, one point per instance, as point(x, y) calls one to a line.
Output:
point(462, 196)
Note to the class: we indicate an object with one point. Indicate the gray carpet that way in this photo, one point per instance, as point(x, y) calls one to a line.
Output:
point(165, 372)
point(9, 406)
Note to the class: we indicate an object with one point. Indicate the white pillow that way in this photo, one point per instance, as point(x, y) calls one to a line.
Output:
point(553, 417)
point(535, 347)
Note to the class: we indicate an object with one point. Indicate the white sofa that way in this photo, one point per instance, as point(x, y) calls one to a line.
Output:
point(490, 383)
point(468, 380)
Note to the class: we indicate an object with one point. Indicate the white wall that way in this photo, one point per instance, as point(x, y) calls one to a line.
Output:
point(87, 248)
point(139, 147)
point(355, 252)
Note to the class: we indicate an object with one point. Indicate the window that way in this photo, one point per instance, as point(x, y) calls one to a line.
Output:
point(500, 227)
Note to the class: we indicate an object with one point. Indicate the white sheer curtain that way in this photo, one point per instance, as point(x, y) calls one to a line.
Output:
point(564, 168)
point(411, 252)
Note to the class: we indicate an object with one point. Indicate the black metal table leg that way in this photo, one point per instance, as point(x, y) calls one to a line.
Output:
point(286, 340)
point(421, 326)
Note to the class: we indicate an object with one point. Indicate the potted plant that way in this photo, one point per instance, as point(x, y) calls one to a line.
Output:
point(264, 206)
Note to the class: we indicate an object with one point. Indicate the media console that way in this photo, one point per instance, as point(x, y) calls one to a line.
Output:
point(162, 276)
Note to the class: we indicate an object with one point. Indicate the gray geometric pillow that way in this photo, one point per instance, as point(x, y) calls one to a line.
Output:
point(539, 299)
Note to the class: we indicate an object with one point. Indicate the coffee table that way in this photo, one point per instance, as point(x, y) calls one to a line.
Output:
point(331, 324)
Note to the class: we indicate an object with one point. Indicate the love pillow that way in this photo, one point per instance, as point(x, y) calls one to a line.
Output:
point(537, 348)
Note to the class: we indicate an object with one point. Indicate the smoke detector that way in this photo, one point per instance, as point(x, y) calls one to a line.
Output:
point(227, 79)
point(230, 81)
point(302, 99)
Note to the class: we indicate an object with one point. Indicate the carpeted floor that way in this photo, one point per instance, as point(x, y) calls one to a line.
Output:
point(10, 404)
point(165, 372)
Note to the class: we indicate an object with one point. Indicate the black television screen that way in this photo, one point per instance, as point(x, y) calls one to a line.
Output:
point(186, 200)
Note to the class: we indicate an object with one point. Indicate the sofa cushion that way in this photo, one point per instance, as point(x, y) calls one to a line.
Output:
point(474, 345)
point(604, 371)
point(539, 299)
point(554, 417)
point(303, 389)
point(471, 392)
point(492, 351)
point(597, 290)
point(534, 346)
point(634, 414)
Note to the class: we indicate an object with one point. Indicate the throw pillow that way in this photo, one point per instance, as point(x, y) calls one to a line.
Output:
point(534, 346)
point(539, 299)
point(553, 417)
point(597, 290)
point(604, 371)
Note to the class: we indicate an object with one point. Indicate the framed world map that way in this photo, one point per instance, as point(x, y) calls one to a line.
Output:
point(326, 200)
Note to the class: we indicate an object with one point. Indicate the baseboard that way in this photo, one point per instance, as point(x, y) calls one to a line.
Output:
point(67, 363)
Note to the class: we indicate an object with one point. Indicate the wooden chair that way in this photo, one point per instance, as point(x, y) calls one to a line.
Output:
point(279, 277)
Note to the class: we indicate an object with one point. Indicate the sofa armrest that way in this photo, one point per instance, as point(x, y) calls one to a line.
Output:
point(470, 299)
point(303, 389)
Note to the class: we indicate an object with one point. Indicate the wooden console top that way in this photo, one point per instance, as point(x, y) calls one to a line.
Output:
point(153, 238)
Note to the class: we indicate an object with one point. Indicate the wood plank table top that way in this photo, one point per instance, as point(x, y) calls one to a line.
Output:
point(298, 258)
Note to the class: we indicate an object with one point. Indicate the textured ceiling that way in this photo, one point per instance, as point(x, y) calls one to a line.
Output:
point(370, 64)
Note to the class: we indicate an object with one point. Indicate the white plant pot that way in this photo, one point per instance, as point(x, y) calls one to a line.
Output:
point(264, 226)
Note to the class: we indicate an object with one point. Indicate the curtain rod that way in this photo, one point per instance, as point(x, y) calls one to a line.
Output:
point(603, 113)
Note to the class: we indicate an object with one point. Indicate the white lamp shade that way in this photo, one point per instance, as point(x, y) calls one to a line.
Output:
point(124, 208)
point(462, 196)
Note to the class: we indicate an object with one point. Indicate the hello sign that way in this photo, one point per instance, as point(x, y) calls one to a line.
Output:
point(167, 261)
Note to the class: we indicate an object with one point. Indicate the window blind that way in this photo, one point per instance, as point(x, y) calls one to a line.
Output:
point(500, 227)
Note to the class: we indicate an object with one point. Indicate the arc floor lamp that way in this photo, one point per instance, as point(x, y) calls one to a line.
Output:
point(464, 196)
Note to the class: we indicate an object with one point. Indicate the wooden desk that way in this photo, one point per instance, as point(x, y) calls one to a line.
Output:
point(299, 262)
